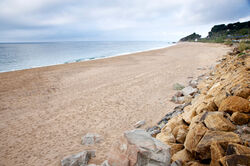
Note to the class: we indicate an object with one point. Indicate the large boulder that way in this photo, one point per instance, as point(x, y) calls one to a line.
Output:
point(137, 147)
point(189, 91)
point(180, 133)
point(194, 136)
point(183, 156)
point(217, 152)
point(240, 118)
point(235, 160)
point(234, 104)
point(203, 147)
point(79, 159)
point(217, 121)
point(166, 137)
point(189, 113)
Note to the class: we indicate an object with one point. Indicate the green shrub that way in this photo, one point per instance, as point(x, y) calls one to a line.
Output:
point(229, 42)
point(243, 46)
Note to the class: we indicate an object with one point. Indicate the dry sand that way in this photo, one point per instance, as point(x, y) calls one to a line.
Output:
point(45, 111)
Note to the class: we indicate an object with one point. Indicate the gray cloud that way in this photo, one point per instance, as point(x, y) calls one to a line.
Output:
point(35, 20)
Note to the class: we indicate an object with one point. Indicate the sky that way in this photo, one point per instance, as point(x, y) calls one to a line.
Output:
point(114, 20)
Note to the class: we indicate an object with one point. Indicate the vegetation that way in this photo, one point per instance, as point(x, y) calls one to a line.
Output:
point(224, 34)
point(191, 37)
point(243, 46)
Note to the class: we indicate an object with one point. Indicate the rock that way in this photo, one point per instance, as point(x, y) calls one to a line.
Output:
point(154, 131)
point(137, 147)
point(166, 138)
point(235, 160)
point(105, 163)
point(240, 118)
point(175, 148)
point(193, 83)
point(217, 153)
point(194, 163)
point(180, 133)
point(188, 114)
point(172, 123)
point(183, 156)
point(194, 136)
point(203, 147)
point(241, 91)
point(139, 123)
point(80, 159)
point(233, 148)
point(219, 98)
point(188, 99)
point(176, 163)
point(216, 121)
point(178, 100)
point(234, 104)
point(178, 86)
point(189, 91)
point(91, 138)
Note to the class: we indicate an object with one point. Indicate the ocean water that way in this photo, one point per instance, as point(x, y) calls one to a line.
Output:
point(17, 56)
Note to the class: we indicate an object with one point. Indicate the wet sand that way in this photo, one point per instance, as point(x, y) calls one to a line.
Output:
point(45, 111)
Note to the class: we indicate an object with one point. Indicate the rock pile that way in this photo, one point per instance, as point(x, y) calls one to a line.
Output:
point(215, 128)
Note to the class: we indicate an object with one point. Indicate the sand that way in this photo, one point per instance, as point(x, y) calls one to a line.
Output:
point(45, 111)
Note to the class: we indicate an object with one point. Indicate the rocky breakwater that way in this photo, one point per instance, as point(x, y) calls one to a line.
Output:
point(210, 127)
point(214, 129)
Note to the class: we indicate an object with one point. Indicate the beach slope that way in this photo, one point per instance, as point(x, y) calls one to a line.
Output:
point(45, 111)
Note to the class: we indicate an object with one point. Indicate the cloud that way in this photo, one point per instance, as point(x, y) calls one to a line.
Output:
point(29, 20)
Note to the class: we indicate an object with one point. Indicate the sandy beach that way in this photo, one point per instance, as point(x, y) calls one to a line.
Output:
point(45, 111)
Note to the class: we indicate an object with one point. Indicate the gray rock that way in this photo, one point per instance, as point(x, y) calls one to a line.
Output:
point(153, 131)
point(189, 91)
point(139, 123)
point(178, 86)
point(79, 159)
point(91, 138)
point(138, 148)
point(176, 163)
point(105, 163)
point(178, 100)
point(193, 83)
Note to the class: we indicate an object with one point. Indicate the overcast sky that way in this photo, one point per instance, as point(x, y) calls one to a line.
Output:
point(67, 20)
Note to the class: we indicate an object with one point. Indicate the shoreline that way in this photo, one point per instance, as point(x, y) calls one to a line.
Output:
point(45, 111)
point(94, 58)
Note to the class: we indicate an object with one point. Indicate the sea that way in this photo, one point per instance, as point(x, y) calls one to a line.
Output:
point(18, 56)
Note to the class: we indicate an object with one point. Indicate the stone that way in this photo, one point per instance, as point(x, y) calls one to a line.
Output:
point(234, 104)
point(193, 83)
point(194, 136)
point(178, 86)
point(166, 137)
point(240, 118)
point(79, 159)
point(105, 163)
point(175, 148)
point(203, 147)
point(140, 123)
point(180, 133)
point(217, 121)
point(233, 148)
point(217, 153)
point(178, 100)
point(136, 148)
point(219, 98)
point(183, 156)
point(241, 91)
point(91, 138)
point(176, 163)
point(188, 114)
point(235, 160)
point(172, 123)
point(195, 163)
point(153, 131)
point(189, 91)
point(188, 99)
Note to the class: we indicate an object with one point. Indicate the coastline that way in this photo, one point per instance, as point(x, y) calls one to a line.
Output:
point(48, 109)
point(93, 58)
